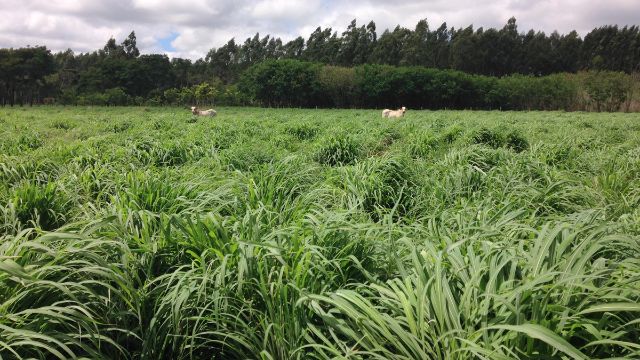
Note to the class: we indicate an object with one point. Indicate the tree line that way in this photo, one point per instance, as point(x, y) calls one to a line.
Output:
point(294, 83)
point(118, 74)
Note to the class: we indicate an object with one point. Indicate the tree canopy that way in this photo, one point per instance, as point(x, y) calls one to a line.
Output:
point(31, 74)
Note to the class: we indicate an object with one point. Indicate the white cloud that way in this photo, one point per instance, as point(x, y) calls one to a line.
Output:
point(203, 24)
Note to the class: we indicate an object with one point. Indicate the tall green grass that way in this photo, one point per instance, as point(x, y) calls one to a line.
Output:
point(132, 233)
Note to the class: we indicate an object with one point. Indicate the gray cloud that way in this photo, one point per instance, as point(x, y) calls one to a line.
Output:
point(203, 24)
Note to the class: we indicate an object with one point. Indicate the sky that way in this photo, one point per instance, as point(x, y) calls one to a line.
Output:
point(189, 28)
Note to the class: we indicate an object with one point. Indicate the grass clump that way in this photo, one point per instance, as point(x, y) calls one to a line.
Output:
point(62, 124)
point(338, 151)
point(452, 134)
point(161, 125)
point(303, 131)
point(380, 185)
point(173, 154)
point(516, 142)
point(496, 139)
point(488, 137)
point(30, 141)
point(45, 206)
point(154, 193)
point(389, 320)
point(166, 154)
point(423, 145)
point(121, 126)
point(40, 172)
point(247, 157)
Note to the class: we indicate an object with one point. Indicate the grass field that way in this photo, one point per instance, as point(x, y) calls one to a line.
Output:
point(295, 234)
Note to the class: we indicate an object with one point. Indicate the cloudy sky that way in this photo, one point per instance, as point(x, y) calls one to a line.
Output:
point(189, 28)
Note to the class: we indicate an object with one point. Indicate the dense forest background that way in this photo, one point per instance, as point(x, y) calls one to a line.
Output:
point(421, 68)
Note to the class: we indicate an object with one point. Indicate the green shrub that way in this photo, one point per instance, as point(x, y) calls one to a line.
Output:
point(99, 99)
point(339, 85)
point(607, 90)
point(233, 96)
point(282, 83)
point(116, 96)
point(296, 83)
point(171, 96)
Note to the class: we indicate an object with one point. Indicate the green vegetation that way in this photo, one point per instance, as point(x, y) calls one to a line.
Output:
point(421, 68)
point(304, 84)
point(146, 233)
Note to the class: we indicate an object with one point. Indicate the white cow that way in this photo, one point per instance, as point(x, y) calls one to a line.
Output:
point(198, 112)
point(394, 113)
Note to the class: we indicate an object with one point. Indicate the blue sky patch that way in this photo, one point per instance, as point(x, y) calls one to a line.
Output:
point(165, 43)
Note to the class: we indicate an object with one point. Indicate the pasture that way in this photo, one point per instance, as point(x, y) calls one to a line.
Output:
point(148, 233)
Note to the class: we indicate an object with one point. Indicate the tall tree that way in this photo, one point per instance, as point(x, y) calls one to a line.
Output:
point(416, 50)
point(22, 74)
point(442, 46)
point(147, 73)
point(294, 48)
point(322, 46)
point(467, 53)
point(181, 69)
point(224, 61)
point(356, 44)
point(68, 68)
point(274, 49)
point(111, 49)
point(506, 59)
point(390, 46)
point(537, 54)
point(130, 47)
point(612, 48)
